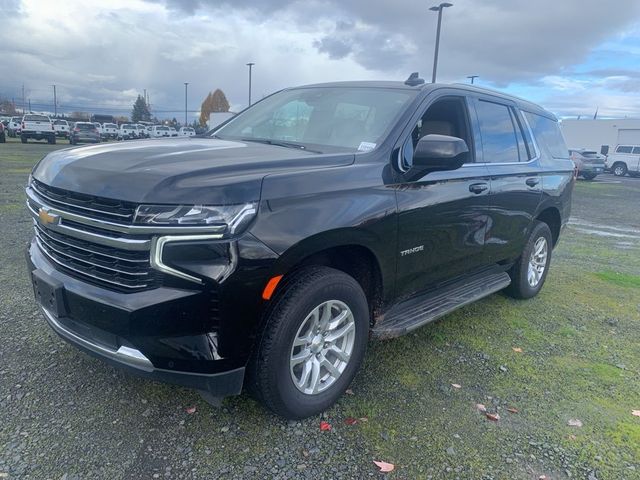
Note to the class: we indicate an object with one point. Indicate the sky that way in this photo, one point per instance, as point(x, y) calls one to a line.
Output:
point(571, 56)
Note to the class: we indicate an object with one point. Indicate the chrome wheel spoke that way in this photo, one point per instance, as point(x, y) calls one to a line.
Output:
point(339, 353)
point(335, 322)
point(304, 377)
point(300, 357)
point(331, 368)
point(315, 375)
point(336, 334)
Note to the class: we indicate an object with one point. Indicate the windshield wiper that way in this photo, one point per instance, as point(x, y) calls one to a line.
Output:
point(279, 143)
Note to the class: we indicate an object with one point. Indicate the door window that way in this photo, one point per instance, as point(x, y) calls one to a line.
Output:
point(623, 149)
point(498, 132)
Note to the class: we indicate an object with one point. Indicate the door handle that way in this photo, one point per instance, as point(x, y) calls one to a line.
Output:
point(532, 182)
point(478, 187)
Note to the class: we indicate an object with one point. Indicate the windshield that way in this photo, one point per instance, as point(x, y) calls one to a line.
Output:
point(60, 122)
point(162, 129)
point(110, 125)
point(346, 117)
point(85, 126)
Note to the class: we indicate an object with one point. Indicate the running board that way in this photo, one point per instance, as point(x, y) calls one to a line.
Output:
point(422, 309)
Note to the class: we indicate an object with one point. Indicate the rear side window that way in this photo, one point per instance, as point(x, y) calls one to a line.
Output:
point(622, 149)
point(547, 133)
point(499, 136)
point(636, 150)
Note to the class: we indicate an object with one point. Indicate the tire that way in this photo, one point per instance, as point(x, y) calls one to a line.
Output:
point(51, 140)
point(520, 286)
point(589, 176)
point(3, 138)
point(71, 142)
point(23, 139)
point(271, 374)
point(619, 169)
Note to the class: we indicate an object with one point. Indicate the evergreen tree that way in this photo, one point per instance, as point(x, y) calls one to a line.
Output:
point(140, 110)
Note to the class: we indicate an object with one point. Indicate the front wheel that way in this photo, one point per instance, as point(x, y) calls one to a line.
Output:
point(23, 139)
point(312, 344)
point(619, 169)
point(530, 270)
point(589, 176)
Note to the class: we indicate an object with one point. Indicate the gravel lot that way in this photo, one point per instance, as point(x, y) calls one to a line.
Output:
point(64, 415)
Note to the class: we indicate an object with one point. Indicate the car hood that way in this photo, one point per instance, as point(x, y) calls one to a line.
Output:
point(183, 170)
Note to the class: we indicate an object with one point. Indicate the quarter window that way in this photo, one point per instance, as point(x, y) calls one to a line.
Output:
point(622, 149)
point(498, 132)
point(636, 150)
point(548, 134)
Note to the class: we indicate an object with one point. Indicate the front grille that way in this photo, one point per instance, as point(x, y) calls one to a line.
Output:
point(107, 266)
point(88, 205)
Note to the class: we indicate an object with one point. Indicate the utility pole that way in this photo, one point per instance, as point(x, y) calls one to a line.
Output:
point(250, 65)
point(186, 85)
point(29, 105)
point(23, 102)
point(55, 102)
point(145, 97)
point(472, 77)
point(438, 8)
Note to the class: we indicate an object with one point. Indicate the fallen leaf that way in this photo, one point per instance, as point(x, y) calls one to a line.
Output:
point(512, 410)
point(574, 422)
point(348, 391)
point(384, 466)
point(191, 410)
point(324, 426)
point(350, 421)
point(481, 407)
point(456, 385)
point(494, 417)
point(635, 413)
point(572, 437)
point(517, 349)
point(364, 419)
point(543, 477)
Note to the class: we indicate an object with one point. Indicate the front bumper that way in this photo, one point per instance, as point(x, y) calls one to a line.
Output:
point(153, 334)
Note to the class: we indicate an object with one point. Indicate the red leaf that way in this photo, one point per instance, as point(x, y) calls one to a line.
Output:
point(350, 421)
point(384, 466)
point(191, 410)
point(512, 410)
point(494, 417)
point(324, 426)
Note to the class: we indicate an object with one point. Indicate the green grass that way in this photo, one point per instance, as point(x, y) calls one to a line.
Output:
point(620, 279)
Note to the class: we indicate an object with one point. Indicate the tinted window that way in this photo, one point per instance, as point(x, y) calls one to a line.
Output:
point(36, 118)
point(547, 134)
point(623, 149)
point(636, 150)
point(498, 133)
point(589, 154)
point(60, 122)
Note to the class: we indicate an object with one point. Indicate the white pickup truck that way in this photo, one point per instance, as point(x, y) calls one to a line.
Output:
point(127, 131)
point(61, 127)
point(625, 160)
point(38, 127)
point(109, 130)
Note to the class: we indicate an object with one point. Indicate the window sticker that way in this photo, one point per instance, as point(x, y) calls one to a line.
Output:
point(366, 146)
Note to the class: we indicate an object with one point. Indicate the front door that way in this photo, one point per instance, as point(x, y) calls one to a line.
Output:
point(441, 216)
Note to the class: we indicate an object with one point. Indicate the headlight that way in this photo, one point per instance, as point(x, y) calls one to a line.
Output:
point(234, 216)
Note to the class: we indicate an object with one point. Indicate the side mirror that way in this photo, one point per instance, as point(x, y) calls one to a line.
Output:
point(440, 152)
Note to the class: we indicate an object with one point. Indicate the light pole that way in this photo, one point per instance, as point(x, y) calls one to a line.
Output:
point(250, 65)
point(55, 102)
point(185, 103)
point(438, 8)
point(472, 77)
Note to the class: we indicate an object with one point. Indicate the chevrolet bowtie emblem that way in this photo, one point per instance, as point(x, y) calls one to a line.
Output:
point(47, 218)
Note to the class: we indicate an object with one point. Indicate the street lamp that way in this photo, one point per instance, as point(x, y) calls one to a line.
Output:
point(250, 65)
point(438, 8)
point(185, 103)
point(472, 77)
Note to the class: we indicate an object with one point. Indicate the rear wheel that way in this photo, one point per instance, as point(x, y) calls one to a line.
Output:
point(51, 140)
point(313, 343)
point(589, 176)
point(530, 270)
point(619, 169)
point(23, 139)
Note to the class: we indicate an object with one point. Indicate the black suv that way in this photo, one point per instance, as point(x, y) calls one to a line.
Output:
point(267, 252)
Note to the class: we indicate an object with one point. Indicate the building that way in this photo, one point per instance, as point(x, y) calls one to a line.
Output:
point(216, 118)
point(594, 134)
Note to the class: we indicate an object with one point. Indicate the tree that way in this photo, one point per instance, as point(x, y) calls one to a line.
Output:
point(214, 102)
point(8, 107)
point(140, 110)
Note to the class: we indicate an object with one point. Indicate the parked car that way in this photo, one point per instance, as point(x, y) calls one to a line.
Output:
point(187, 132)
point(37, 127)
point(588, 162)
point(128, 131)
point(13, 129)
point(84, 132)
point(148, 130)
point(142, 131)
point(173, 132)
point(61, 128)
point(109, 131)
point(625, 160)
point(267, 254)
point(160, 131)
point(3, 134)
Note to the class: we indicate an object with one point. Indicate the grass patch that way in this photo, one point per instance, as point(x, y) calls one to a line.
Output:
point(620, 279)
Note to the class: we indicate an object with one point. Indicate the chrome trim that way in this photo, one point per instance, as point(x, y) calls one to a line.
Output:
point(116, 242)
point(100, 279)
point(73, 257)
point(120, 227)
point(157, 246)
point(248, 209)
point(104, 212)
point(126, 355)
point(39, 230)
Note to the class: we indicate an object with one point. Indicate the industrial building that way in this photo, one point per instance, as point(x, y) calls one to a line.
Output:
point(594, 134)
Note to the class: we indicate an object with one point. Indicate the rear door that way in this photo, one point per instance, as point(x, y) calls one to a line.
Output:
point(441, 216)
point(516, 176)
